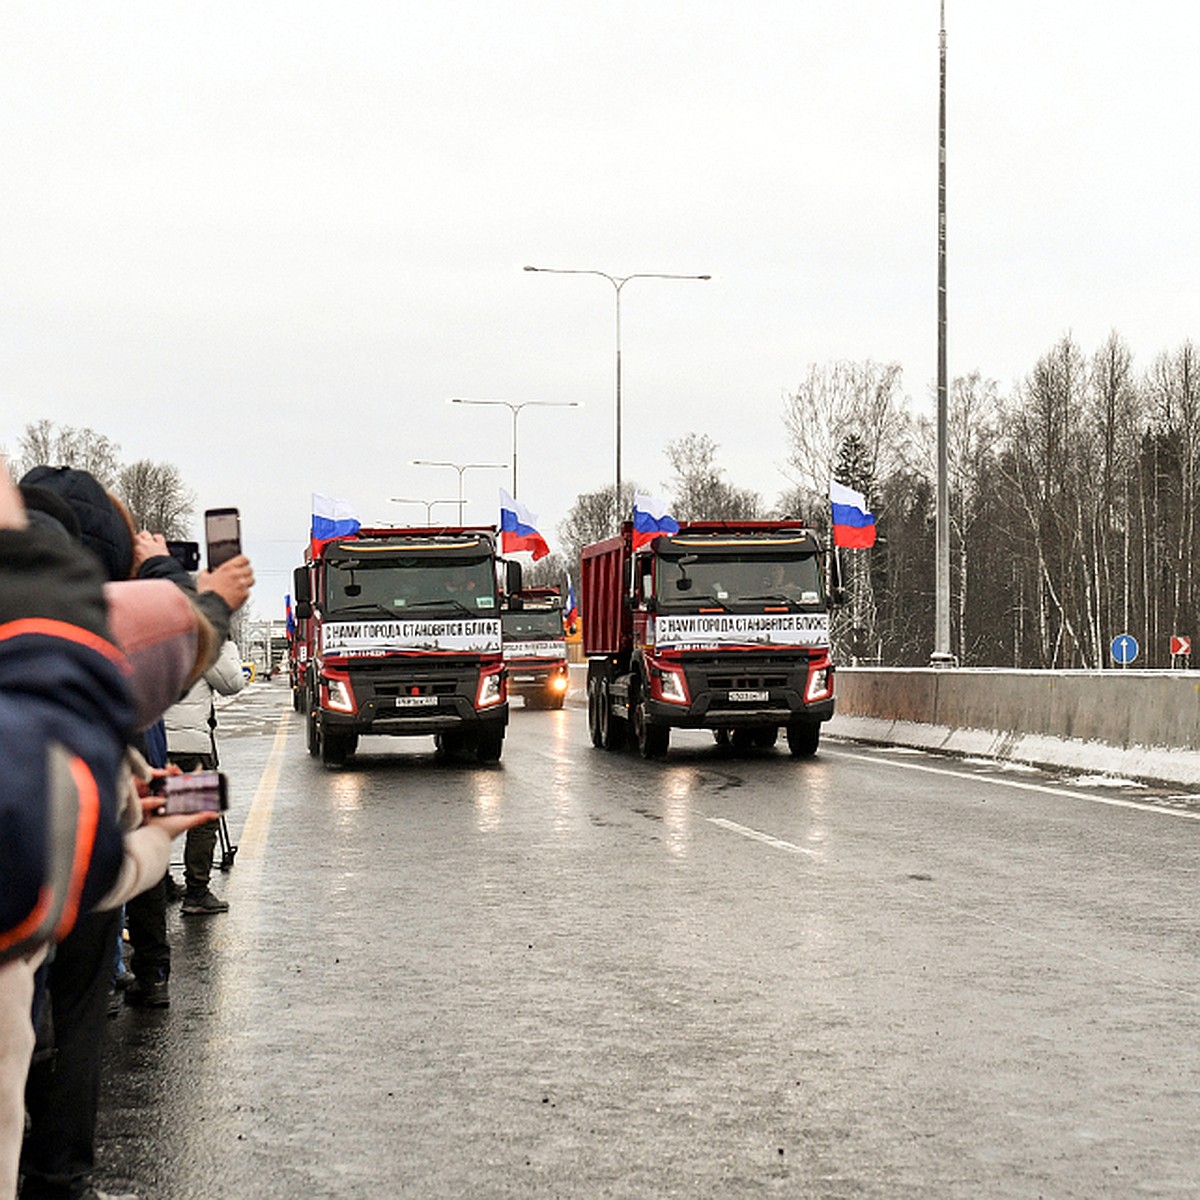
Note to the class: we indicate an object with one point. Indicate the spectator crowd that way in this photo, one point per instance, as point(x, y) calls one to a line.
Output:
point(110, 654)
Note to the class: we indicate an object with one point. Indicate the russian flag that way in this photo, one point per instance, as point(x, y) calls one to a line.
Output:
point(289, 618)
point(517, 529)
point(650, 519)
point(571, 613)
point(332, 519)
point(853, 526)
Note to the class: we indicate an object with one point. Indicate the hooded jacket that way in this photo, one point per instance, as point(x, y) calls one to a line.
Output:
point(188, 729)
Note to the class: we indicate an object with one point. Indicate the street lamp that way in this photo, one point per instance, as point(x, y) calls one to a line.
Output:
point(428, 505)
point(618, 282)
point(461, 468)
point(515, 408)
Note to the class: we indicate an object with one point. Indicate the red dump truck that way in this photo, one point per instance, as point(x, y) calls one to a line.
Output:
point(535, 646)
point(400, 635)
point(722, 626)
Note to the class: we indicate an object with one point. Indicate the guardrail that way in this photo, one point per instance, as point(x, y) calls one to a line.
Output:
point(1142, 724)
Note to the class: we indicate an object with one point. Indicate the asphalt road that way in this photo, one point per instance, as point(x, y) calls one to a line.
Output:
point(872, 974)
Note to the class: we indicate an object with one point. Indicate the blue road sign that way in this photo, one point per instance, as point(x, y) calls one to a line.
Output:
point(1124, 648)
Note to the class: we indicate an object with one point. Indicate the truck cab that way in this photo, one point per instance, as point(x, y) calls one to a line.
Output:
point(403, 639)
point(535, 647)
point(721, 626)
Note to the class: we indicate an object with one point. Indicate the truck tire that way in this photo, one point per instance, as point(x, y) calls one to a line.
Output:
point(553, 700)
point(765, 738)
point(612, 729)
point(722, 737)
point(803, 737)
point(742, 740)
point(653, 741)
point(335, 748)
point(448, 745)
point(489, 743)
point(594, 729)
point(312, 733)
point(297, 699)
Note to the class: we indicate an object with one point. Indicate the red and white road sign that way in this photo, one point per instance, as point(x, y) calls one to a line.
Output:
point(1180, 645)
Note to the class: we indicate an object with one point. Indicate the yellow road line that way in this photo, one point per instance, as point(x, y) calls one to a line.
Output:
point(253, 841)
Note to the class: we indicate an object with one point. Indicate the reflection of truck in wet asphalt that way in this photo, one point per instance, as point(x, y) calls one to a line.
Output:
point(400, 635)
point(535, 648)
point(722, 626)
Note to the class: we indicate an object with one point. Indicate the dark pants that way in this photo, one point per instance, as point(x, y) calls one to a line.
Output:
point(201, 842)
point(63, 1090)
point(146, 921)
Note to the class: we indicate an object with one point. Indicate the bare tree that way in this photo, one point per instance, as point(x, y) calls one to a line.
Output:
point(156, 497)
point(593, 517)
point(698, 491)
point(45, 444)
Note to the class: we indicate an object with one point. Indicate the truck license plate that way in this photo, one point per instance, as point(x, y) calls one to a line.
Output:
point(414, 701)
point(749, 697)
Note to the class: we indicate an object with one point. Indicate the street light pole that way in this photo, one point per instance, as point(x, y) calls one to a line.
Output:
point(515, 408)
point(461, 468)
point(428, 505)
point(618, 282)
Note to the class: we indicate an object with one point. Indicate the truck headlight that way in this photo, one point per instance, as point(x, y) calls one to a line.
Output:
point(339, 695)
point(492, 690)
point(820, 683)
point(672, 686)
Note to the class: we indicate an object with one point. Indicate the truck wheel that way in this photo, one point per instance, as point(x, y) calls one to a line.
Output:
point(489, 744)
point(742, 740)
point(722, 736)
point(593, 697)
point(653, 741)
point(313, 734)
point(334, 749)
point(447, 745)
point(612, 731)
point(553, 700)
point(803, 737)
point(297, 699)
point(764, 739)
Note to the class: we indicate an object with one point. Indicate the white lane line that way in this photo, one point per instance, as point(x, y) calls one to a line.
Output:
point(1045, 788)
point(758, 836)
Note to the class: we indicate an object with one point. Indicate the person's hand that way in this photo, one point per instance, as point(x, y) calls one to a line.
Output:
point(176, 823)
point(147, 545)
point(12, 510)
point(231, 581)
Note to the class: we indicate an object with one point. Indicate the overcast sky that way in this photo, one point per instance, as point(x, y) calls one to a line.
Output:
point(266, 241)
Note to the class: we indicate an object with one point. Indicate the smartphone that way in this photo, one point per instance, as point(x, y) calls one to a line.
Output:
point(223, 535)
point(201, 791)
point(188, 553)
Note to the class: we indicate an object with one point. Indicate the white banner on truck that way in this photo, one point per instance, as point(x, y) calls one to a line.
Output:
point(740, 629)
point(365, 638)
point(535, 650)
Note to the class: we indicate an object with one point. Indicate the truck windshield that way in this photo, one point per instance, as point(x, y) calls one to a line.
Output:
point(532, 626)
point(409, 587)
point(696, 580)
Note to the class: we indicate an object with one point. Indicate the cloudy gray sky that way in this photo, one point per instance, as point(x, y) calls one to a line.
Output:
point(267, 241)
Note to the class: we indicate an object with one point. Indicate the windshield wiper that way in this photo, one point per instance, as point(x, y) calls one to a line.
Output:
point(776, 596)
point(365, 606)
point(446, 602)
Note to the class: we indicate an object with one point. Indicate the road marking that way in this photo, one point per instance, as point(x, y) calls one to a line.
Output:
point(758, 836)
point(1044, 788)
point(253, 841)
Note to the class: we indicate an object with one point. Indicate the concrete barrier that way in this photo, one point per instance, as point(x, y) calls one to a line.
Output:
point(1143, 724)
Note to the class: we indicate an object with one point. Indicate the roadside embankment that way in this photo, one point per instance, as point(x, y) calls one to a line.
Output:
point(1142, 724)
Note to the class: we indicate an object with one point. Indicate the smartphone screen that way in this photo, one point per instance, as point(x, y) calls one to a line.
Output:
point(201, 791)
point(223, 535)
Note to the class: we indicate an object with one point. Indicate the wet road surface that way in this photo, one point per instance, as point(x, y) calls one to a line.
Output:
point(873, 974)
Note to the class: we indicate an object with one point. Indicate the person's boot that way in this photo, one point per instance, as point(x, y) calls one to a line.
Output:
point(203, 904)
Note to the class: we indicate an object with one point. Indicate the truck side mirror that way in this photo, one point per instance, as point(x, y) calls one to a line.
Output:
point(300, 588)
point(303, 610)
point(512, 577)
